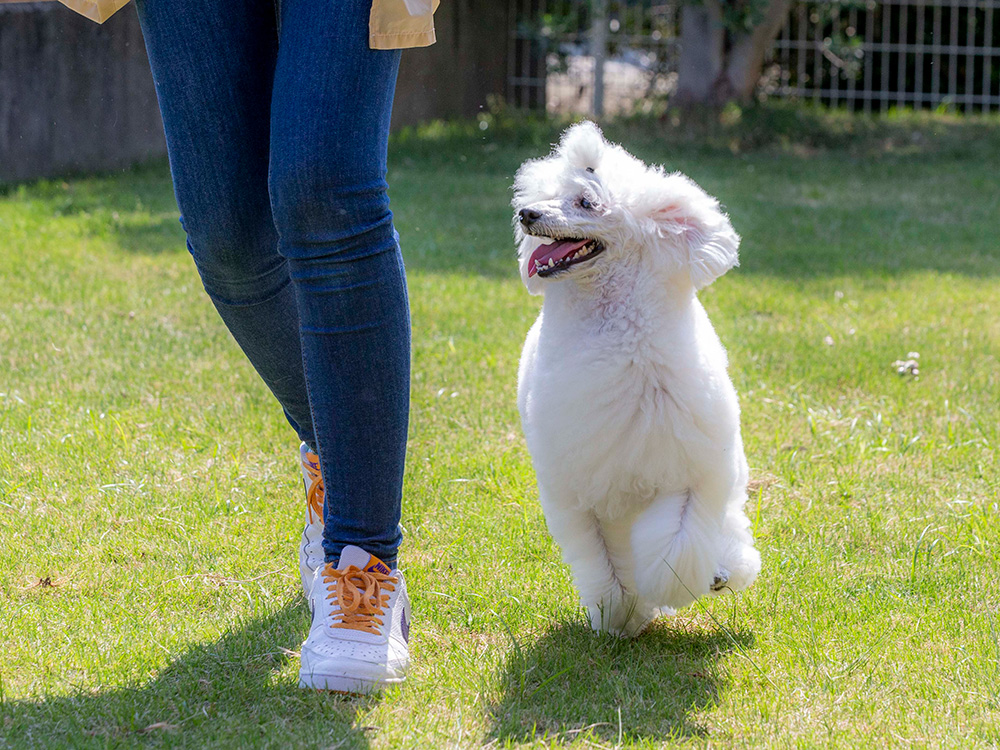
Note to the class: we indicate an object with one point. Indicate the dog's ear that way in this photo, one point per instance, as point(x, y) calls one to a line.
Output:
point(582, 145)
point(692, 218)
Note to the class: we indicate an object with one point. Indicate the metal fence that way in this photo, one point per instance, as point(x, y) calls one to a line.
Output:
point(597, 56)
point(890, 53)
point(592, 56)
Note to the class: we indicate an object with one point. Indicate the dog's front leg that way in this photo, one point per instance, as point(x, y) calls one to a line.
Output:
point(578, 533)
point(636, 613)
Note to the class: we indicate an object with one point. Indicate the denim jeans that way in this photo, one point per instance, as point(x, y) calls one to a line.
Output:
point(277, 117)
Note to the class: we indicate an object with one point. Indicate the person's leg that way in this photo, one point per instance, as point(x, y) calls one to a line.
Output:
point(329, 133)
point(213, 65)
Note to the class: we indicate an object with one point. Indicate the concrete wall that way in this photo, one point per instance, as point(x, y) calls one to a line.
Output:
point(76, 96)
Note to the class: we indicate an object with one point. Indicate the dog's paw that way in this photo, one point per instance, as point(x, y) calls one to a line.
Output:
point(738, 569)
point(604, 621)
point(612, 612)
point(642, 617)
point(721, 580)
point(601, 623)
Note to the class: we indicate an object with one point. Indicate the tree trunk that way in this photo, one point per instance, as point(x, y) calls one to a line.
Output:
point(749, 50)
point(718, 66)
point(703, 40)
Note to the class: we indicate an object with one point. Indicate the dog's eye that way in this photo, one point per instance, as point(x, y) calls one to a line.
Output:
point(586, 204)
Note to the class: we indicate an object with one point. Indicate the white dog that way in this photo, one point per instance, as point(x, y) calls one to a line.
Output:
point(629, 414)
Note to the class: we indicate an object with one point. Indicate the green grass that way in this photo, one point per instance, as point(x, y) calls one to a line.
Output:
point(150, 503)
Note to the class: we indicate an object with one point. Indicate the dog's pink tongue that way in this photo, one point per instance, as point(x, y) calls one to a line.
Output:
point(554, 252)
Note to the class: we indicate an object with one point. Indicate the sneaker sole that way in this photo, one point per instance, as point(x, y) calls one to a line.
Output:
point(304, 563)
point(345, 684)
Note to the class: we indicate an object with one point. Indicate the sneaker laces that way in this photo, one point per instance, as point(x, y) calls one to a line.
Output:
point(361, 596)
point(315, 492)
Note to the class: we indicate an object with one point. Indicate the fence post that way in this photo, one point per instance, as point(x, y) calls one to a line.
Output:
point(599, 49)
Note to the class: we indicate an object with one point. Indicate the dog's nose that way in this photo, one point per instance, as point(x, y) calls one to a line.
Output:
point(529, 216)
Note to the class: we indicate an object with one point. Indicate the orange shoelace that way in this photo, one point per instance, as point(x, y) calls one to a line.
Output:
point(315, 492)
point(361, 596)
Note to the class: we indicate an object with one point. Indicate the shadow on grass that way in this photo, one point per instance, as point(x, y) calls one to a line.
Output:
point(162, 234)
point(571, 683)
point(221, 694)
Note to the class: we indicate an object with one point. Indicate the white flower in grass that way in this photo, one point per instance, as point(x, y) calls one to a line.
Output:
point(908, 366)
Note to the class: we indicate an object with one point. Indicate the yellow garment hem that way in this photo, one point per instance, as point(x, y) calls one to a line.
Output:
point(96, 10)
point(401, 40)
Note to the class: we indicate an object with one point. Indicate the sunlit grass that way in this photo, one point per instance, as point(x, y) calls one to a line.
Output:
point(150, 502)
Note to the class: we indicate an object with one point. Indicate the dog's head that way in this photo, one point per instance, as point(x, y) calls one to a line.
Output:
point(590, 204)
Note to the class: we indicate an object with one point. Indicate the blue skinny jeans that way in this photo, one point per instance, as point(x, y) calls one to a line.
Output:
point(276, 115)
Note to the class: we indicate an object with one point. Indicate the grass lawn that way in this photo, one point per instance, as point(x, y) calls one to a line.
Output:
point(150, 503)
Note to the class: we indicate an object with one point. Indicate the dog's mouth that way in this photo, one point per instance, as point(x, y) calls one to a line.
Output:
point(548, 260)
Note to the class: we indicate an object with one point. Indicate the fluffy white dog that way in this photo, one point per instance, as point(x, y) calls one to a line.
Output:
point(630, 416)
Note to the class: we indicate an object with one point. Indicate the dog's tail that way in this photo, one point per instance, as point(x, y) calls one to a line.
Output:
point(676, 551)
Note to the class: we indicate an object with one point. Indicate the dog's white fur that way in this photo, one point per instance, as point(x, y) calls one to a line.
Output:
point(629, 413)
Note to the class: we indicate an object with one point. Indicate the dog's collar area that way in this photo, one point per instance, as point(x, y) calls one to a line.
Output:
point(548, 260)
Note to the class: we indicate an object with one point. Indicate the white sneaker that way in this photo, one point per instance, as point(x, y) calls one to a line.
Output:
point(311, 553)
point(360, 626)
